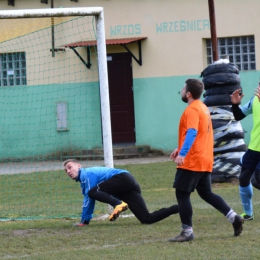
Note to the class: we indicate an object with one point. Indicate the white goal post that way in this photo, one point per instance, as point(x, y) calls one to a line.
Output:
point(98, 13)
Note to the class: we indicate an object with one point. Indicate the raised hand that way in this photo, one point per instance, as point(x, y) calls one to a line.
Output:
point(236, 96)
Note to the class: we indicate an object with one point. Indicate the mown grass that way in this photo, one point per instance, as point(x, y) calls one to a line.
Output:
point(126, 238)
point(54, 195)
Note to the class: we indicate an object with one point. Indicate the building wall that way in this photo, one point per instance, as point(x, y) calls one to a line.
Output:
point(29, 113)
point(159, 109)
point(168, 27)
point(173, 52)
point(29, 124)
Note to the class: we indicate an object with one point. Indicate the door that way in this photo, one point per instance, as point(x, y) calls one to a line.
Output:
point(120, 80)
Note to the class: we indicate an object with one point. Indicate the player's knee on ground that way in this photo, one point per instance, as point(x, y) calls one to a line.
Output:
point(147, 220)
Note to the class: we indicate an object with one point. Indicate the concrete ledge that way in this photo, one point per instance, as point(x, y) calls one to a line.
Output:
point(100, 157)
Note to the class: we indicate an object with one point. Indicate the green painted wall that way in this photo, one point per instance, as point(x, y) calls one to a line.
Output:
point(249, 82)
point(157, 110)
point(28, 116)
point(158, 107)
point(28, 120)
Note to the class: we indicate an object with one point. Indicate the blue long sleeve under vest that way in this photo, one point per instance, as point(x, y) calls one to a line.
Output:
point(188, 142)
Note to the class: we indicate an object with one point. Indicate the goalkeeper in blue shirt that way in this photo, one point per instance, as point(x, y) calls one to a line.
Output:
point(116, 187)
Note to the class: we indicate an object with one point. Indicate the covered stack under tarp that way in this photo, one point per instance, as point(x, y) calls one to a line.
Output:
point(221, 79)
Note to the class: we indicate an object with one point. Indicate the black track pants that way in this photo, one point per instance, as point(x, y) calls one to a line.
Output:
point(124, 187)
point(208, 196)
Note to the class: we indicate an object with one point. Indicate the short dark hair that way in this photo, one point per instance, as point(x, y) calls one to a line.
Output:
point(69, 160)
point(195, 87)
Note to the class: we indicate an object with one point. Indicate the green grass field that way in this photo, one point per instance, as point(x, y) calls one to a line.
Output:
point(125, 238)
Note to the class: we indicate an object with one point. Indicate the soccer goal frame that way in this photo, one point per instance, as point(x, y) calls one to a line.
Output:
point(98, 13)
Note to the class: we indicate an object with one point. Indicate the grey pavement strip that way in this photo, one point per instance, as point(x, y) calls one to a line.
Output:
point(27, 167)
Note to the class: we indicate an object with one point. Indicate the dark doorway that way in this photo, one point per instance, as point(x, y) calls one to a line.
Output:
point(120, 80)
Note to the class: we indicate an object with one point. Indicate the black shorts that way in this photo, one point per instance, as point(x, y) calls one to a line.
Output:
point(119, 184)
point(251, 160)
point(188, 181)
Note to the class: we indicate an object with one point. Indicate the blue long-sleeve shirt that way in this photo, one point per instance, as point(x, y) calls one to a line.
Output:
point(247, 109)
point(189, 140)
point(89, 178)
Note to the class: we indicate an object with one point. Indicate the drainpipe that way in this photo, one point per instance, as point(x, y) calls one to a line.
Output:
point(213, 32)
point(52, 32)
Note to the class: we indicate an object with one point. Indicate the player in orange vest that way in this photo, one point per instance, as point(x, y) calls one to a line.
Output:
point(194, 159)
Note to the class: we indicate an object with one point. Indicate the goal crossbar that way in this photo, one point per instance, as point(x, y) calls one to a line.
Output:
point(33, 13)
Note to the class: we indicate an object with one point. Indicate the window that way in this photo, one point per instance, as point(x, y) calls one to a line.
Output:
point(13, 69)
point(61, 112)
point(241, 51)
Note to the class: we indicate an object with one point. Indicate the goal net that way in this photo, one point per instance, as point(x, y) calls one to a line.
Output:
point(54, 106)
